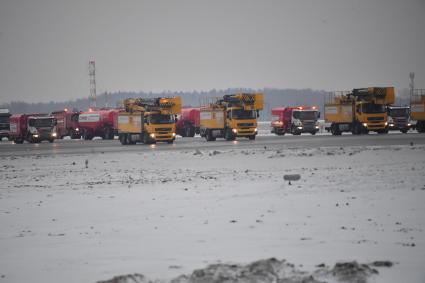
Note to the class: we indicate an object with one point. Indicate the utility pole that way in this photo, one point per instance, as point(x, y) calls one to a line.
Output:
point(92, 75)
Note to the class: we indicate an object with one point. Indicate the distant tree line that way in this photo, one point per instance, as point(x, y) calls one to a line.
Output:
point(272, 98)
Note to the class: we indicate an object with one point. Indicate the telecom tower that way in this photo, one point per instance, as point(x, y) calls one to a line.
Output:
point(92, 74)
point(412, 82)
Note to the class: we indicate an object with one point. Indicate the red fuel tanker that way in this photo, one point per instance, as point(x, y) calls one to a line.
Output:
point(33, 128)
point(67, 124)
point(188, 123)
point(102, 123)
point(295, 120)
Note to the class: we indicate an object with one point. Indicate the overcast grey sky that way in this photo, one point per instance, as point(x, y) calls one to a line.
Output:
point(45, 45)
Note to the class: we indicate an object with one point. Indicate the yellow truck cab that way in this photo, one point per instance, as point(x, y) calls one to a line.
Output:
point(234, 115)
point(417, 109)
point(359, 111)
point(148, 120)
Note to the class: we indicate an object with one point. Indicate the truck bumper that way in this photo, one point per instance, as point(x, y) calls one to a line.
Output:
point(278, 130)
point(307, 129)
point(375, 126)
point(163, 137)
point(397, 127)
point(245, 132)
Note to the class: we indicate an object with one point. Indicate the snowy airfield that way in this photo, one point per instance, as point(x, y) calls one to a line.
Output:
point(166, 213)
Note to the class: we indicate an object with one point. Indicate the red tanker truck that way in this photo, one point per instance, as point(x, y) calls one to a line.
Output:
point(295, 120)
point(67, 124)
point(102, 123)
point(187, 124)
point(33, 128)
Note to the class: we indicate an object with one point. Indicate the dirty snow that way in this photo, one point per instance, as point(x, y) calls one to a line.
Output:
point(87, 218)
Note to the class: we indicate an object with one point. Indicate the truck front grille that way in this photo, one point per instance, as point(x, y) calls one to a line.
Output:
point(245, 124)
point(162, 129)
point(375, 118)
point(400, 120)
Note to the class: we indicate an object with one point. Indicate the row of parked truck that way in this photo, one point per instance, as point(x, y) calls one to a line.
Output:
point(149, 120)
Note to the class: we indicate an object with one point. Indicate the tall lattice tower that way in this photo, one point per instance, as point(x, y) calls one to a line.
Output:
point(412, 82)
point(92, 74)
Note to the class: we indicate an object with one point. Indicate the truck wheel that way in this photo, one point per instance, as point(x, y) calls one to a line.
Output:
point(209, 136)
point(170, 141)
point(251, 137)
point(50, 140)
point(335, 130)
point(229, 135)
point(182, 132)
point(420, 126)
point(105, 134)
point(146, 139)
point(75, 135)
point(129, 140)
point(123, 139)
point(192, 131)
point(86, 136)
point(356, 129)
point(18, 141)
point(187, 131)
point(294, 131)
point(313, 133)
point(404, 131)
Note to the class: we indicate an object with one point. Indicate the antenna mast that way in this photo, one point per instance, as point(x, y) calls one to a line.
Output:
point(412, 82)
point(92, 75)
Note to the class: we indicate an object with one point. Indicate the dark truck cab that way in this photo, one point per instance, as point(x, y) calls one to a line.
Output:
point(399, 118)
point(4, 123)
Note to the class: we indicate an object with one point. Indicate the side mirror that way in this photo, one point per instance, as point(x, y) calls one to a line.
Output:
point(258, 113)
point(318, 114)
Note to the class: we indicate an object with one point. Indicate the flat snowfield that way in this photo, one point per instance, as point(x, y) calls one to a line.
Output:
point(92, 216)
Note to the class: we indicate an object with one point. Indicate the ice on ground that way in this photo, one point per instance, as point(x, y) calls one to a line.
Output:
point(167, 213)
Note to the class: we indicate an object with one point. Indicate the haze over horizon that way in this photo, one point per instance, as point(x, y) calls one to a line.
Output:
point(45, 45)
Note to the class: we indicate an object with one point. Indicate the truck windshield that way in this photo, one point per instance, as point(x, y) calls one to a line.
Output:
point(161, 119)
point(41, 122)
point(371, 108)
point(398, 112)
point(305, 115)
point(243, 114)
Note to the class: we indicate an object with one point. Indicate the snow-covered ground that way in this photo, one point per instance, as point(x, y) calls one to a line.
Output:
point(165, 213)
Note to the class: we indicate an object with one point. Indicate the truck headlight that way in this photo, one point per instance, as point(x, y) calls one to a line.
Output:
point(255, 130)
point(77, 129)
point(174, 134)
point(235, 131)
point(300, 128)
point(35, 135)
point(54, 134)
point(152, 135)
point(317, 127)
point(408, 124)
point(386, 123)
point(391, 125)
point(365, 125)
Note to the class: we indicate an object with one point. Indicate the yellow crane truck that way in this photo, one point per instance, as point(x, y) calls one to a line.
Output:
point(148, 120)
point(417, 109)
point(359, 111)
point(234, 115)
